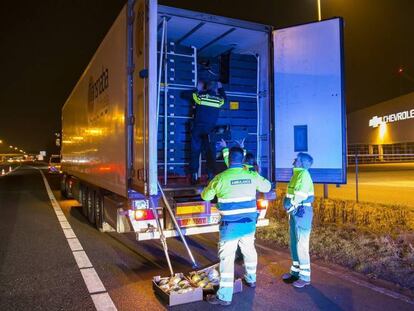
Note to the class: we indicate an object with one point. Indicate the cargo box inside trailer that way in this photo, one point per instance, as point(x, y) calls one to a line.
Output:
point(192, 46)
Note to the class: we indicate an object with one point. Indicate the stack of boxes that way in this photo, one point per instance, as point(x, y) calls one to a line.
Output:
point(239, 111)
point(181, 77)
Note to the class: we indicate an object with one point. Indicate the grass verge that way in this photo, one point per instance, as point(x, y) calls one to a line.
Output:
point(374, 239)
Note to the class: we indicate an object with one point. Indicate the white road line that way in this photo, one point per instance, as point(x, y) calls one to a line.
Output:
point(102, 301)
point(99, 295)
point(69, 233)
point(82, 259)
point(64, 224)
point(75, 245)
point(61, 218)
point(353, 279)
point(92, 281)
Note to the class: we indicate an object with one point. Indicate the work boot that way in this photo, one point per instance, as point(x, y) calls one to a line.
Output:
point(289, 278)
point(249, 284)
point(194, 178)
point(212, 299)
point(300, 283)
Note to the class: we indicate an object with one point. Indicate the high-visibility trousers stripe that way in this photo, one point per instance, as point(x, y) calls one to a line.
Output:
point(238, 211)
point(227, 275)
point(226, 284)
point(235, 200)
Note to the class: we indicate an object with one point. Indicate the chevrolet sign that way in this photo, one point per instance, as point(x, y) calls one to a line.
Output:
point(394, 117)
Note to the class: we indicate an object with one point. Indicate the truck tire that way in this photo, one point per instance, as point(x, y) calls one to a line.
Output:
point(91, 205)
point(83, 193)
point(98, 210)
point(63, 187)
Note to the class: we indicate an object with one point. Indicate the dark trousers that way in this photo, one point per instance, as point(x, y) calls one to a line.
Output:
point(201, 141)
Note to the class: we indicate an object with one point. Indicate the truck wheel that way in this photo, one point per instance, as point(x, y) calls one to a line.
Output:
point(91, 206)
point(63, 187)
point(83, 193)
point(98, 210)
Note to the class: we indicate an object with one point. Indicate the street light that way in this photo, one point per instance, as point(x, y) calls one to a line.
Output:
point(11, 147)
point(1, 141)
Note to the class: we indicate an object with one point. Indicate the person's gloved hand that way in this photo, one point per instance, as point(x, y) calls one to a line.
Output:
point(241, 143)
point(219, 85)
point(222, 144)
point(300, 211)
point(288, 206)
point(201, 86)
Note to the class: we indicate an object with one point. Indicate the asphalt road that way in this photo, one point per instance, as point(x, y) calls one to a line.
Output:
point(38, 270)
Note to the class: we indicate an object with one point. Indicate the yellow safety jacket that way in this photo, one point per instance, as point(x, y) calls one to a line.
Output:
point(300, 189)
point(235, 189)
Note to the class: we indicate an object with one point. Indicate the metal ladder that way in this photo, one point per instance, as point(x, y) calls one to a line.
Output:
point(164, 56)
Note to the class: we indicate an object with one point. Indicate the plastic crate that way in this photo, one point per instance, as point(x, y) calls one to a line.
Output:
point(174, 298)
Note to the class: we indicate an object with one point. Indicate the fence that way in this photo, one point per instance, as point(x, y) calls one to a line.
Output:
point(380, 158)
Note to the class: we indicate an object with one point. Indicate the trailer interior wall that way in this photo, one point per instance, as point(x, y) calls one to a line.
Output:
point(93, 117)
point(191, 39)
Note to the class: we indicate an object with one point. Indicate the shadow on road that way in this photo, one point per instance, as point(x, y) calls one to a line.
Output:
point(325, 303)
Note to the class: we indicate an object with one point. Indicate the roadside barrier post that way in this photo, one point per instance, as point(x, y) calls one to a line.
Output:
point(356, 178)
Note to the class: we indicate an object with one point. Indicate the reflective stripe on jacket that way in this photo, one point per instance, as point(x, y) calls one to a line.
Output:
point(235, 189)
point(300, 188)
point(208, 100)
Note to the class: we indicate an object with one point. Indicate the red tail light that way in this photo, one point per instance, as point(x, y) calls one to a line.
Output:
point(143, 214)
point(262, 204)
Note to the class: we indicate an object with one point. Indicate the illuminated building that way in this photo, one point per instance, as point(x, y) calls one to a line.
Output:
point(383, 129)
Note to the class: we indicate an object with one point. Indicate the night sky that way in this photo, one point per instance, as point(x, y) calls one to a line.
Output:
point(45, 46)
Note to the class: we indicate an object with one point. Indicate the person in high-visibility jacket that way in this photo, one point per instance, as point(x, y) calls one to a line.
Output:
point(208, 98)
point(235, 189)
point(298, 204)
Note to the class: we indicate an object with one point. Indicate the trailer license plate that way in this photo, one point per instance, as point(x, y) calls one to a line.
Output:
point(189, 222)
point(190, 209)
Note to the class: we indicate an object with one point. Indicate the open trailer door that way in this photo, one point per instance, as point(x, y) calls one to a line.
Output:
point(142, 75)
point(310, 114)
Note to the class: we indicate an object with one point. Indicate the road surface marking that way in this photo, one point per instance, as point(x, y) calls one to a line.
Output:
point(69, 233)
point(353, 279)
point(82, 259)
point(102, 301)
point(92, 281)
point(75, 245)
point(64, 224)
point(61, 218)
point(99, 295)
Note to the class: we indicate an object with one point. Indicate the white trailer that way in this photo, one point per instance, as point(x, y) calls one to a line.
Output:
point(126, 126)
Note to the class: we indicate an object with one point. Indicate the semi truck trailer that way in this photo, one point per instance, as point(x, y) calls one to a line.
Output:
point(126, 126)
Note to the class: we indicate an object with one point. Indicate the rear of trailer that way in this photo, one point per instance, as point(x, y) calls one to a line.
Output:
point(127, 123)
